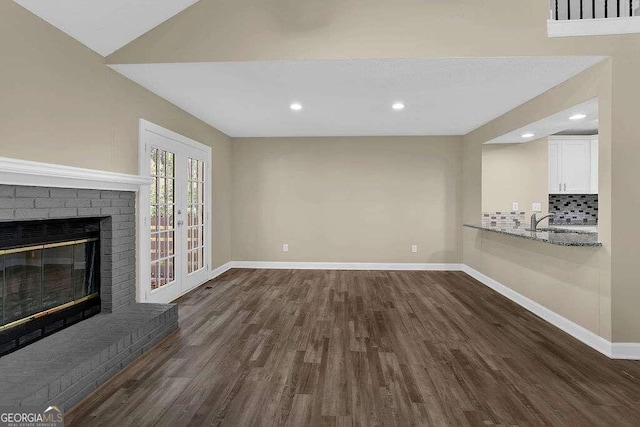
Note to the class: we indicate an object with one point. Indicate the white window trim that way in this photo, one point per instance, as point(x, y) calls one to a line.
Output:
point(144, 203)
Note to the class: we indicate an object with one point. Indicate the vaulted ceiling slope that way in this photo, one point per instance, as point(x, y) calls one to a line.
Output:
point(105, 25)
point(443, 96)
point(250, 30)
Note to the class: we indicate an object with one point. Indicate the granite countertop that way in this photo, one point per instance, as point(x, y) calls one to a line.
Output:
point(593, 228)
point(565, 238)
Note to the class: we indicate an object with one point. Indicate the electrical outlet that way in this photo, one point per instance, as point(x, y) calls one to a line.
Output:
point(536, 207)
point(515, 206)
point(285, 248)
point(414, 248)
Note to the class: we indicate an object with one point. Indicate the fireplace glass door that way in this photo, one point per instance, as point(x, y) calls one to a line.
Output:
point(49, 277)
point(40, 278)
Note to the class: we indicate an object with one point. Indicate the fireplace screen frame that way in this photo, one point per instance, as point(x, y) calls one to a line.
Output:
point(78, 303)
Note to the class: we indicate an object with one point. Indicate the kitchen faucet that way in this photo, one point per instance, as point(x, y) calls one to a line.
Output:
point(535, 221)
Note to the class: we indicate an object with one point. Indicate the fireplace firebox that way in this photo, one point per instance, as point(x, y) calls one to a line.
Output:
point(49, 278)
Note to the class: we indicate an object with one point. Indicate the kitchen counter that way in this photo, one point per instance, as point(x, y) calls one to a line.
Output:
point(560, 237)
point(577, 227)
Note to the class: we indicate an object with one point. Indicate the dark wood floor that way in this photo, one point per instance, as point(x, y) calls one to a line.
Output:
point(363, 348)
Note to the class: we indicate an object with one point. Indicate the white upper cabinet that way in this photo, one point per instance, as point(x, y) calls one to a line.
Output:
point(555, 180)
point(576, 167)
point(573, 165)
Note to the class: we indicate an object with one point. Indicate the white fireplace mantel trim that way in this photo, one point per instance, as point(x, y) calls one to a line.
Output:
point(25, 172)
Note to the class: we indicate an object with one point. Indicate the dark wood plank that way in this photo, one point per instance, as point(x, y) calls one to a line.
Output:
point(283, 347)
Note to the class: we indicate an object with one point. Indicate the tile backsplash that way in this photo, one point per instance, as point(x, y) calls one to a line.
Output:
point(502, 219)
point(574, 208)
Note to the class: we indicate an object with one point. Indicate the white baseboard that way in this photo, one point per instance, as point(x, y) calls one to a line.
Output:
point(629, 351)
point(220, 270)
point(591, 339)
point(345, 266)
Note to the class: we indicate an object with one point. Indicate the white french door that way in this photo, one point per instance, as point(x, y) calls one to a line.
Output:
point(174, 214)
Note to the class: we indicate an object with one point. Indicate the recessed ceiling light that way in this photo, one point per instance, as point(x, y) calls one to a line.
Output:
point(577, 117)
point(398, 106)
point(296, 106)
point(528, 135)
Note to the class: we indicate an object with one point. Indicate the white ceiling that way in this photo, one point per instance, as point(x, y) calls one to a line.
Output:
point(556, 123)
point(586, 127)
point(105, 25)
point(443, 96)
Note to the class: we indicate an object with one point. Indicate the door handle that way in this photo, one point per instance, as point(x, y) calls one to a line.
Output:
point(180, 222)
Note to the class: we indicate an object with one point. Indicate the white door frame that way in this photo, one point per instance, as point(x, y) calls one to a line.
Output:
point(144, 205)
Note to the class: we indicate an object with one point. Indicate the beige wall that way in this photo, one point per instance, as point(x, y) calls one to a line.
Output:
point(347, 199)
point(625, 195)
point(574, 282)
point(515, 173)
point(308, 29)
point(60, 104)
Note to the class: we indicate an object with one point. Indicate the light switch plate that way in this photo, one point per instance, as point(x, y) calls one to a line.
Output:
point(536, 207)
point(515, 206)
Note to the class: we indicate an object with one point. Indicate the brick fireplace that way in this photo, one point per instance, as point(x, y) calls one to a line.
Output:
point(63, 367)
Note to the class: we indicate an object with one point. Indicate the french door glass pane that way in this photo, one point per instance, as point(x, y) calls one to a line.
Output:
point(162, 222)
point(195, 211)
